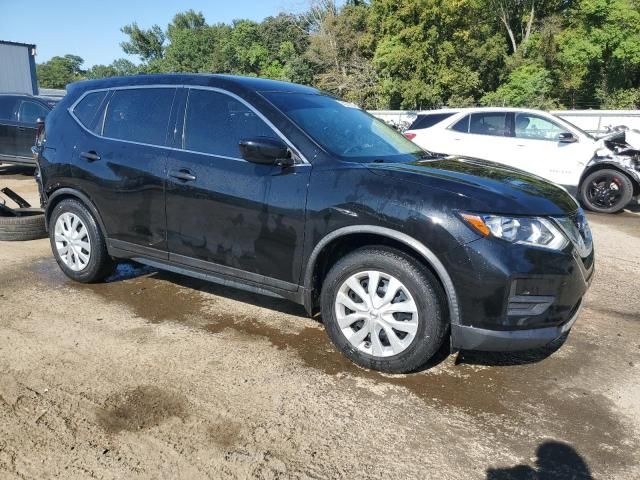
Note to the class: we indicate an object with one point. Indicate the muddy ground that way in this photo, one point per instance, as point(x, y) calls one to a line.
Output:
point(155, 375)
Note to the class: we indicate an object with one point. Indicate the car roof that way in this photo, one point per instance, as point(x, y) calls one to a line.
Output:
point(199, 79)
point(479, 109)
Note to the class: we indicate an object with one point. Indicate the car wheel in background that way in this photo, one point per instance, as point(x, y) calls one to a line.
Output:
point(606, 191)
point(28, 224)
point(78, 244)
point(384, 310)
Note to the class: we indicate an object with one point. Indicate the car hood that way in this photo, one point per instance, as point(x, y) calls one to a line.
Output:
point(483, 186)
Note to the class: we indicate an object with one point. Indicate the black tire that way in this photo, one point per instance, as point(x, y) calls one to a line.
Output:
point(422, 286)
point(100, 264)
point(606, 191)
point(29, 225)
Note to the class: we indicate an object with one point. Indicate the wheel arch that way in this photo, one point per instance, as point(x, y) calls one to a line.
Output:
point(66, 193)
point(610, 165)
point(346, 239)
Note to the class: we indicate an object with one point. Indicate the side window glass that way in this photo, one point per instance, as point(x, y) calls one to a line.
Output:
point(139, 115)
point(427, 121)
point(31, 111)
point(537, 128)
point(462, 125)
point(87, 108)
point(492, 123)
point(8, 108)
point(215, 123)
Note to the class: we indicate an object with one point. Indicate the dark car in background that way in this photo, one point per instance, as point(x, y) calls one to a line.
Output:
point(280, 189)
point(18, 126)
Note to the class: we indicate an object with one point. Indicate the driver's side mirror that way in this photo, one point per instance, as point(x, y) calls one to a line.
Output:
point(566, 137)
point(266, 151)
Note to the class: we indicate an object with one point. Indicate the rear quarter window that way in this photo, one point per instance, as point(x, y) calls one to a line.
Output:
point(87, 108)
point(427, 121)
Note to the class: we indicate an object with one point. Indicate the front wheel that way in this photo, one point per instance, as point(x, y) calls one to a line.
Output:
point(606, 191)
point(384, 310)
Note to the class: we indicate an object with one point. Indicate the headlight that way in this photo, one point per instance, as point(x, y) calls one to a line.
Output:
point(535, 231)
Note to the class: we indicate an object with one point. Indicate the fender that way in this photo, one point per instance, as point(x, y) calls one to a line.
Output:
point(428, 255)
point(72, 192)
point(634, 174)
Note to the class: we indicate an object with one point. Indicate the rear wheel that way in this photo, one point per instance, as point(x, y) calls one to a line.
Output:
point(606, 191)
point(384, 310)
point(78, 244)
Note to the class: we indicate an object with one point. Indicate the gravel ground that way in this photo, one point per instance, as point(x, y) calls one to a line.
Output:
point(155, 375)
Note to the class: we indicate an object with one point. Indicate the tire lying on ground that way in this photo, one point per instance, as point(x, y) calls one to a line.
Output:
point(28, 225)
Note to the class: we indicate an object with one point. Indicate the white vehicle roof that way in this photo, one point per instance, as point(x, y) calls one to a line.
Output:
point(480, 109)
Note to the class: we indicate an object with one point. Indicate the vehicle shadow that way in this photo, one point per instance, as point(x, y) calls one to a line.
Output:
point(508, 359)
point(554, 461)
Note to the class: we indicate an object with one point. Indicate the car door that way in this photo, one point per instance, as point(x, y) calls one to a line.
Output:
point(28, 113)
point(9, 126)
point(228, 215)
point(479, 135)
point(538, 148)
point(120, 162)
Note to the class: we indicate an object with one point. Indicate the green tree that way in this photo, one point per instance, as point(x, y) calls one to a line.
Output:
point(147, 44)
point(527, 86)
point(59, 71)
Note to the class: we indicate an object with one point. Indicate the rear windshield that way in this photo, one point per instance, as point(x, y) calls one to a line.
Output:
point(343, 129)
point(429, 120)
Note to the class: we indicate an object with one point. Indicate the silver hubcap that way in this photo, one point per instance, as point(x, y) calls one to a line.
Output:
point(72, 241)
point(376, 313)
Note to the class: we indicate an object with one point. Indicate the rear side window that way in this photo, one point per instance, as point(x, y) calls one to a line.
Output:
point(490, 123)
point(139, 115)
point(8, 108)
point(215, 123)
point(30, 111)
point(87, 108)
point(427, 121)
point(462, 125)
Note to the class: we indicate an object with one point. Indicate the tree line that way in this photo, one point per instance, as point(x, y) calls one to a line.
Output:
point(407, 54)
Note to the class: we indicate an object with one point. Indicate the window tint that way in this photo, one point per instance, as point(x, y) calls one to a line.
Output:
point(462, 125)
point(88, 107)
point(429, 120)
point(493, 123)
point(8, 108)
point(215, 123)
point(139, 115)
point(535, 127)
point(31, 111)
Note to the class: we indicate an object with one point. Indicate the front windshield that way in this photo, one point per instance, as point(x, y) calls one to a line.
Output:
point(343, 129)
point(575, 127)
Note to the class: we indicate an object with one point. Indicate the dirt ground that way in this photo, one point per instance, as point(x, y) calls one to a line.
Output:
point(155, 375)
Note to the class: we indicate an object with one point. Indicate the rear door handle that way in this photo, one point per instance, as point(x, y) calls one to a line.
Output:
point(183, 175)
point(90, 156)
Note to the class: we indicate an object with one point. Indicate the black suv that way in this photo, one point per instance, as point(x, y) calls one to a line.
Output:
point(280, 189)
point(18, 126)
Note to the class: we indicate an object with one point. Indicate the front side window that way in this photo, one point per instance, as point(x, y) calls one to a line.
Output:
point(215, 123)
point(343, 129)
point(87, 108)
point(139, 115)
point(490, 123)
point(536, 128)
point(8, 108)
point(31, 111)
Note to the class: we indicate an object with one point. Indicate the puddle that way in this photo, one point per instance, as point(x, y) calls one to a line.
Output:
point(140, 408)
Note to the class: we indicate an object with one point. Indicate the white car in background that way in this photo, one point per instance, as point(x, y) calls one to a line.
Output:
point(604, 174)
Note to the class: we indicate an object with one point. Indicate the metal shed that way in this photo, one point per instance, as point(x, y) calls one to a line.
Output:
point(18, 68)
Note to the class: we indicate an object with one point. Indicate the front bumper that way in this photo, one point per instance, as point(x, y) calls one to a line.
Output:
point(465, 337)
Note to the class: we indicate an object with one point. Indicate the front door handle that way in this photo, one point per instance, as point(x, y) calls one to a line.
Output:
point(183, 175)
point(90, 156)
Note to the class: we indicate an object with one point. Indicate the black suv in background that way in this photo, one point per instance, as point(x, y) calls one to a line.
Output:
point(18, 126)
point(280, 189)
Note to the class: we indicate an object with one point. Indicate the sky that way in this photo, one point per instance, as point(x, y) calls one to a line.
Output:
point(91, 29)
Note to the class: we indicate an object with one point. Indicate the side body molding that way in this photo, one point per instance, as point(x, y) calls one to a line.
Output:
point(411, 242)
